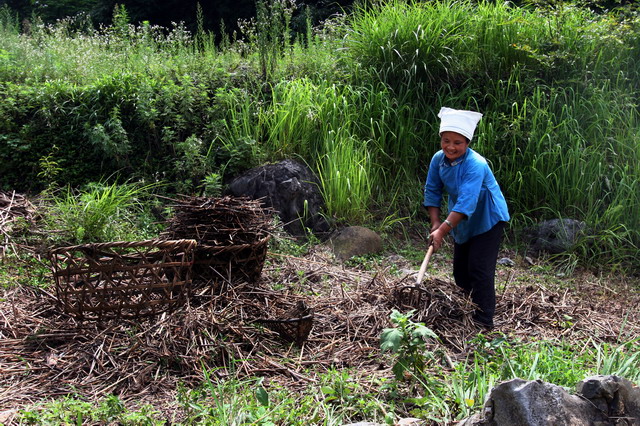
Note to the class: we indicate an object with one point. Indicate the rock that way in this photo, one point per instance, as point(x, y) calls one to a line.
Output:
point(601, 401)
point(616, 396)
point(535, 403)
point(291, 189)
point(554, 236)
point(355, 241)
point(505, 261)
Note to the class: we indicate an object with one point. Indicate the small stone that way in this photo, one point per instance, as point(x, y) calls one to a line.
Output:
point(505, 261)
point(355, 241)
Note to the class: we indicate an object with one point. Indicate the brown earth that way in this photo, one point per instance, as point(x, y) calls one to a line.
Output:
point(306, 315)
point(45, 353)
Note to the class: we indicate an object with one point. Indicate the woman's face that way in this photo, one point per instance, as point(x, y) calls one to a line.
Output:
point(453, 144)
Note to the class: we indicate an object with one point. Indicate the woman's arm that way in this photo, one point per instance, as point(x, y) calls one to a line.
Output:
point(434, 216)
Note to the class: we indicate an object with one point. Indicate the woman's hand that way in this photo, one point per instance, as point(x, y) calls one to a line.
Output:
point(436, 237)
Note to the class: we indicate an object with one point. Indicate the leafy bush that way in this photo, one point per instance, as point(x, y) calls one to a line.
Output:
point(356, 97)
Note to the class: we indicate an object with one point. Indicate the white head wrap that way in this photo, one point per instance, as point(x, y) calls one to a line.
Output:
point(459, 121)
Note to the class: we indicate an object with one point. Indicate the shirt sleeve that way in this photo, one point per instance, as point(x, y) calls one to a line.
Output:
point(470, 187)
point(433, 186)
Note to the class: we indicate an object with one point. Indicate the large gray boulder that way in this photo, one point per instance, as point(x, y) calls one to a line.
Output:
point(600, 401)
point(291, 189)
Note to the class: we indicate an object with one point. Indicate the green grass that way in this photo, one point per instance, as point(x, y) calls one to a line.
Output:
point(18, 269)
point(102, 212)
point(74, 410)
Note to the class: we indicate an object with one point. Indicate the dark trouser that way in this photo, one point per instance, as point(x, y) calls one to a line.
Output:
point(474, 269)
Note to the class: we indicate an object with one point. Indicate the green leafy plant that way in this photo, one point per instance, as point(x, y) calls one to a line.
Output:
point(407, 341)
point(73, 410)
point(212, 185)
point(19, 269)
point(49, 168)
point(619, 360)
point(341, 388)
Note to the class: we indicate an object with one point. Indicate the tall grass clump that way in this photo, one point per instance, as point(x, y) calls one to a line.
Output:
point(426, 46)
point(9, 22)
point(320, 123)
point(619, 360)
point(410, 46)
point(347, 175)
point(576, 158)
point(100, 212)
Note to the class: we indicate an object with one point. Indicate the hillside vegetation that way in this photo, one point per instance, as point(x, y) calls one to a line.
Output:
point(356, 99)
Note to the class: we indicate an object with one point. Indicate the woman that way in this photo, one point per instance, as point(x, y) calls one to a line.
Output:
point(477, 210)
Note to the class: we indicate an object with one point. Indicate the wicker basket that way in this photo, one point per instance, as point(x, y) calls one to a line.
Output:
point(232, 262)
point(295, 325)
point(232, 235)
point(122, 279)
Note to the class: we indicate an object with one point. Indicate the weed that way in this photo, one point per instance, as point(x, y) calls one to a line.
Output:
point(18, 269)
point(72, 410)
point(407, 341)
point(367, 262)
point(342, 389)
point(212, 185)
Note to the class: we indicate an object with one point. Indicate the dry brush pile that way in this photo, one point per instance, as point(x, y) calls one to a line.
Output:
point(300, 317)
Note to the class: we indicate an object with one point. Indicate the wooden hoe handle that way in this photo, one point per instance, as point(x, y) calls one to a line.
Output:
point(423, 267)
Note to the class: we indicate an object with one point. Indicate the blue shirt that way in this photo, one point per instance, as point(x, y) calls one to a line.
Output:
point(473, 191)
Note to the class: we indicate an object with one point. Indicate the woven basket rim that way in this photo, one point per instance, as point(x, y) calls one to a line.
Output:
point(153, 243)
point(234, 246)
